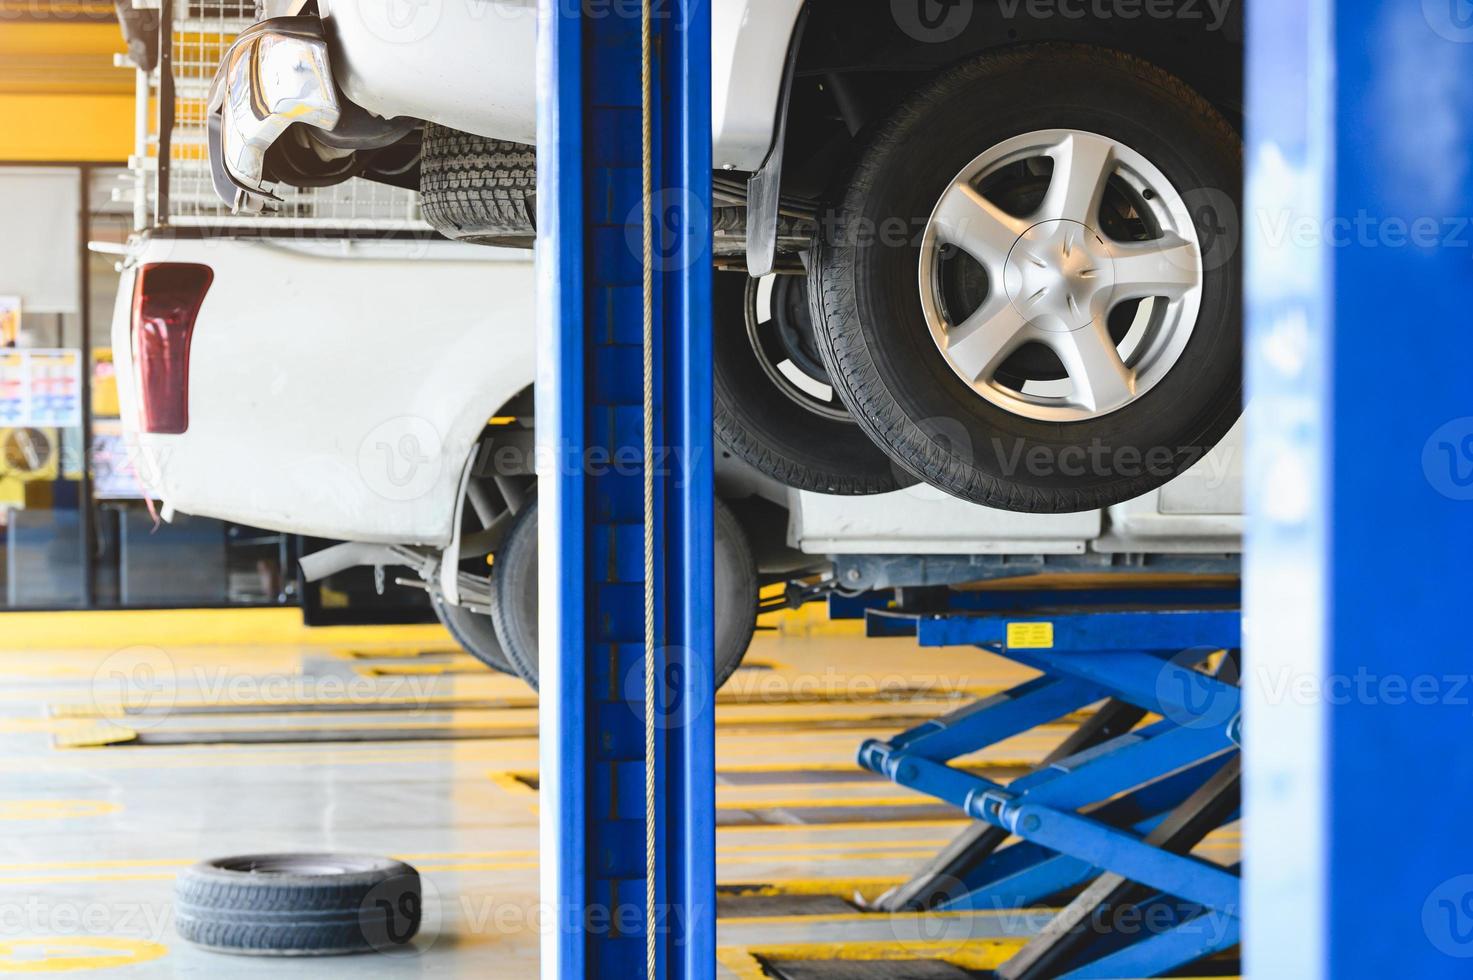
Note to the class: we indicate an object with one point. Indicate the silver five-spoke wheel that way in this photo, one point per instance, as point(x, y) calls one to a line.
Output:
point(1061, 275)
point(1056, 326)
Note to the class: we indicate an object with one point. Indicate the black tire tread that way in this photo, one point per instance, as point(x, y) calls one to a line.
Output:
point(522, 536)
point(278, 914)
point(476, 189)
point(740, 440)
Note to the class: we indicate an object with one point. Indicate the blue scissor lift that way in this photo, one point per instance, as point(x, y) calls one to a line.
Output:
point(1118, 804)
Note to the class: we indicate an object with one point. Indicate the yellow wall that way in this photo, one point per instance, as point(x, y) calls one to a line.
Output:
point(60, 96)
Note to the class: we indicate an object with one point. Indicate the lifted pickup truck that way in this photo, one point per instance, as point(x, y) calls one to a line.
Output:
point(332, 406)
point(1011, 228)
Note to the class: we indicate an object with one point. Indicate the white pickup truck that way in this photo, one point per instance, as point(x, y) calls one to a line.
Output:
point(292, 383)
point(1012, 227)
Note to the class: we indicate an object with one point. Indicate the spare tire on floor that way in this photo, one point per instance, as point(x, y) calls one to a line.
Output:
point(479, 190)
point(514, 588)
point(299, 904)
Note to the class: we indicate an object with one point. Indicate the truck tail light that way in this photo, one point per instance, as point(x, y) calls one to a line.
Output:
point(166, 301)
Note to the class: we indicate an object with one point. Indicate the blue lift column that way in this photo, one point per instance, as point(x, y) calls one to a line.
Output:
point(624, 433)
point(1359, 760)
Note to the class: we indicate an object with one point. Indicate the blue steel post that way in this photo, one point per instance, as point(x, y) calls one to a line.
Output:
point(1359, 778)
point(590, 399)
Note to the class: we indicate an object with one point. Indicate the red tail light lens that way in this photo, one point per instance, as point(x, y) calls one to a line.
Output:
point(166, 300)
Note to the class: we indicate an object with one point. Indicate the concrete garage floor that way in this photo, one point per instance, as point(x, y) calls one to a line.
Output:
point(100, 810)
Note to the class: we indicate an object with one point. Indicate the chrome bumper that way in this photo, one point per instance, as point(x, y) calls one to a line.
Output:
point(276, 74)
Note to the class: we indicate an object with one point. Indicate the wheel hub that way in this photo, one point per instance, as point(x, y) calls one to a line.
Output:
point(1052, 272)
point(1088, 297)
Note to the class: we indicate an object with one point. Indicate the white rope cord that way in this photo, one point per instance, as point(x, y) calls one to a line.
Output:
point(647, 166)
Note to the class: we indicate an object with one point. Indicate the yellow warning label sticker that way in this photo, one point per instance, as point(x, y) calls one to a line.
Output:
point(1031, 636)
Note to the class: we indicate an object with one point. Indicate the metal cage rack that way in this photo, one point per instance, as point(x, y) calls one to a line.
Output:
point(201, 31)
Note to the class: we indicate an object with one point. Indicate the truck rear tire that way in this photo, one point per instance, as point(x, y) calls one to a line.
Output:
point(474, 632)
point(514, 589)
point(479, 190)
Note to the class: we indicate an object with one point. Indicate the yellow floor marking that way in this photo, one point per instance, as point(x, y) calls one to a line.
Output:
point(31, 631)
point(409, 653)
point(816, 886)
point(55, 809)
point(94, 737)
point(511, 783)
point(970, 954)
point(64, 879)
point(868, 889)
point(838, 918)
point(497, 727)
point(54, 954)
point(516, 784)
point(387, 703)
point(518, 853)
point(104, 863)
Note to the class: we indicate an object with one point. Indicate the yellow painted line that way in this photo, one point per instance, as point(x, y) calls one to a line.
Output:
point(57, 954)
point(970, 954)
point(496, 726)
point(810, 620)
point(454, 856)
point(104, 863)
point(409, 653)
point(511, 782)
point(65, 879)
point(94, 737)
point(516, 783)
point(47, 726)
point(47, 809)
point(868, 889)
point(529, 864)
point(839, 918)
point(111, 629)
point(167, 757)
point(398, 702)
point(389, 702)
